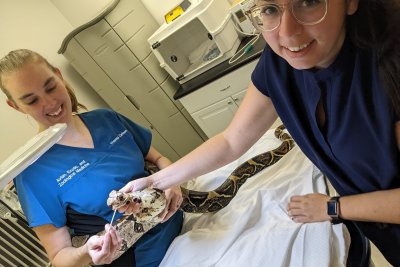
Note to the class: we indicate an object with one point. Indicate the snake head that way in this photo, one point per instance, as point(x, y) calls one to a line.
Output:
point(117, 199)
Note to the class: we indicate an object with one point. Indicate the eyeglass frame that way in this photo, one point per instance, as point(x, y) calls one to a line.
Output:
point(281, 8)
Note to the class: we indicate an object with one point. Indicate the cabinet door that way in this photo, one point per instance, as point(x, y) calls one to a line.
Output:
point(226, 86)
point(238, 98)
point(215, 118)
point(107, 89)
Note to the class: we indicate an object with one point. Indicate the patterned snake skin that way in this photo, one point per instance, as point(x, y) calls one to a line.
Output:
point(132, 227)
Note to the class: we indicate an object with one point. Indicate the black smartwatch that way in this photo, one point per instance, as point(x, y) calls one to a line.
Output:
point(333, 206)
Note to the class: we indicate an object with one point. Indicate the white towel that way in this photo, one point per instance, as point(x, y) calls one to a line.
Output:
point(255, 230)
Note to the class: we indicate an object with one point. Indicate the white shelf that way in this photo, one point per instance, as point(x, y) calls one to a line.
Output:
point(29, 153)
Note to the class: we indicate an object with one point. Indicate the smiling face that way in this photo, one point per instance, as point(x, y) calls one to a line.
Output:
point(40, 92)
point(310, 46)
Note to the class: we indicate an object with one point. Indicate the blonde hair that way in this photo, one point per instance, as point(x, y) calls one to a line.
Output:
point(16, 59)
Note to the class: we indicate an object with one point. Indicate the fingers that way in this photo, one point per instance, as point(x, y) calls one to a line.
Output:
point(136, 185)
point(175, 201)
point(111, 244)
point(127, 188)
point(103, 249)
point(130, 208)
point(116, 240)
point(308, 208)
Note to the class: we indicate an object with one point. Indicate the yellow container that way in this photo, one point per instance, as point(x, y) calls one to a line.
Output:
point(173, 14)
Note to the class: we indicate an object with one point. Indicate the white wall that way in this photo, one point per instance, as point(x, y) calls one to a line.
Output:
point(39, 26)
point(88, 9)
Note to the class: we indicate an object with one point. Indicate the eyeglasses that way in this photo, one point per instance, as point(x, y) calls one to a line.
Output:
point(267, 17)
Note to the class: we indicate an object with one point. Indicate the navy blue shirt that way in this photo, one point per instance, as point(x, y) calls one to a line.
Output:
point(356, 148)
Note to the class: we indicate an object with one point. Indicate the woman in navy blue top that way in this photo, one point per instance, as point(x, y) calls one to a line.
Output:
point(64, 192)
point(331, 73)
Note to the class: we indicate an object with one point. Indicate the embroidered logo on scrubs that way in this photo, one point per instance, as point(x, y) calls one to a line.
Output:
point(69, 174)
point(118, 137)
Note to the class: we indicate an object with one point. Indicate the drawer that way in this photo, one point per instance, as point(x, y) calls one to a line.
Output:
point(226, 86)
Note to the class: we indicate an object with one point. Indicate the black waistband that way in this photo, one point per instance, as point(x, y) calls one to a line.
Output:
point(84, 224)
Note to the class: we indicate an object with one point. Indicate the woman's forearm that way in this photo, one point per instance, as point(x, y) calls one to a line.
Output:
point(214, 153)
point(72, 257)
point(379, 206)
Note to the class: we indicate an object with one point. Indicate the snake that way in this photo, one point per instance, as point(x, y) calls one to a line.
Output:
point(152, 200)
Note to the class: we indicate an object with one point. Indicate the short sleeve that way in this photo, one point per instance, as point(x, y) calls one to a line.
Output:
point(259, 75)
point(36, 210)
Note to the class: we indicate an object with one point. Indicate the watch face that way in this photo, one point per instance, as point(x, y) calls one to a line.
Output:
point(332, 208)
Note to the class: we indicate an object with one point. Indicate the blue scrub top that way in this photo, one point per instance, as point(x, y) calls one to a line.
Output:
point(82, 178)
point(356, 149)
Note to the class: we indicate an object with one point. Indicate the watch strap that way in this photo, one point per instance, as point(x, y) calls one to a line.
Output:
point(333, 208)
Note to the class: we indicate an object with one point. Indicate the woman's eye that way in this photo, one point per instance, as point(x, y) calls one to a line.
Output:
point(269, 10)
point(33, 101)
point(51, 89)
point(308, 3)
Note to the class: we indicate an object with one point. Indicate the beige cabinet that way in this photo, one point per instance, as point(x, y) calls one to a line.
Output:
point(216, 117)
point(214, 105)
point(113, 55)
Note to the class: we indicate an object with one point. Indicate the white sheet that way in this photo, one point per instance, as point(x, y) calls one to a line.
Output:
point(255, 230)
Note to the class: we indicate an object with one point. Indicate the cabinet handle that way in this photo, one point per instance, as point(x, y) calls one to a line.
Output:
point(236, 99)
point(131, 100)
point(226, 88)
point(229, 102)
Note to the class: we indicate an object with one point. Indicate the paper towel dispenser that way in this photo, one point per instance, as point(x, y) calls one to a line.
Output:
point(201, 38)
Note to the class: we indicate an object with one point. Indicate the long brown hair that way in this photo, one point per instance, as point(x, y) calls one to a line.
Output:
point(16, 59)
point(376, 26)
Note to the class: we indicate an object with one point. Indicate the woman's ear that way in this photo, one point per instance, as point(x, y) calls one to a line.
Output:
point(352, 6)
point(58, 73)
point(14, 106)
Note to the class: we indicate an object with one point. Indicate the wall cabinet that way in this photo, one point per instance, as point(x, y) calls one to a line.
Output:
point(214, 105)
point(114, 57)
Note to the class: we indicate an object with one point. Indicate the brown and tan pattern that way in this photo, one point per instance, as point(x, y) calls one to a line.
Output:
point(132, 227)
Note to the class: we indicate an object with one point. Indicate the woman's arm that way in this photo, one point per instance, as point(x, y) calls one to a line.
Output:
point(173, 194)
point(155, 157)
point(379, 206)
point(57, 243)
point(254, 117)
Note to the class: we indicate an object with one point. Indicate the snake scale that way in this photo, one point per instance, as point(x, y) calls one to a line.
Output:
point(132, 227)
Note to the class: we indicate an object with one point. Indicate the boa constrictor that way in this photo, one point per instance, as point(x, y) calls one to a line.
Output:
point(132, 227)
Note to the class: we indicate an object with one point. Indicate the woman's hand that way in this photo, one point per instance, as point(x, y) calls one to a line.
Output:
point(102, 249)
point(174, 201)
point(309, 208)
point(132, 186)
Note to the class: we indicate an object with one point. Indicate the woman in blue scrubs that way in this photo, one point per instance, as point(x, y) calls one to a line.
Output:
point(64, 192)
point(331, 73)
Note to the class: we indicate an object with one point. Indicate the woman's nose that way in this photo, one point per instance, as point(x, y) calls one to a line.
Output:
point(49, 101)
point(289, 26)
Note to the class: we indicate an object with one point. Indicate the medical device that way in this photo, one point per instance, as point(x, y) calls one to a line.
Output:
point(238, 12)
point(30, 152)
point(177, 11)
point(200, 38)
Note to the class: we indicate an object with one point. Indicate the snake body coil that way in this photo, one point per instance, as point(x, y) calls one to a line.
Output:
point(132, 227)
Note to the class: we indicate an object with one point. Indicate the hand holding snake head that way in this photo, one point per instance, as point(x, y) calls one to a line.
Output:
point(145, 205)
